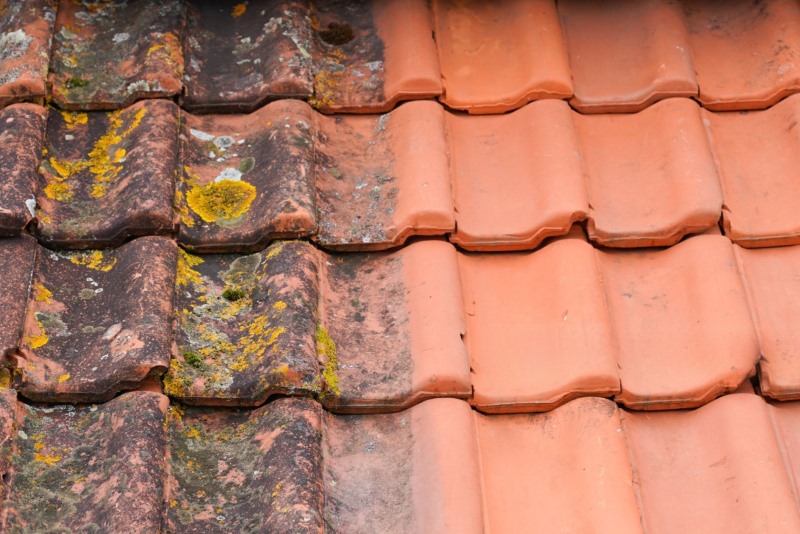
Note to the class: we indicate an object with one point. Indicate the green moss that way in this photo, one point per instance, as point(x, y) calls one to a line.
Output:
point(193, 359)
point(76, 82)
point(327, 348)
point(247, 165)
point(233, 294)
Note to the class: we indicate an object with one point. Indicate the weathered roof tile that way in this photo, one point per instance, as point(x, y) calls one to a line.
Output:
point(16, 265)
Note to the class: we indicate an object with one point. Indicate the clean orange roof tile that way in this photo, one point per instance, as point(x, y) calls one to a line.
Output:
point(564, 471)
point(538, 331)
point(651, 175)
point(715, 469)
point(744, 53)
point(758, 161)
point(517, 178)
point(682, 322)
point(381, 179)
point(626, 55)
point(498, 56)
point(772, 278)
point(26, 31)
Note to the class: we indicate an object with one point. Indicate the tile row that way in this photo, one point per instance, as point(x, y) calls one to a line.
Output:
point(139, 464)
point(365, 57)
point(233, 183)
point(376, 332)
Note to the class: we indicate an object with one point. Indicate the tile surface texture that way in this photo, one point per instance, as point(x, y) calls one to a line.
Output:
point(26, 31)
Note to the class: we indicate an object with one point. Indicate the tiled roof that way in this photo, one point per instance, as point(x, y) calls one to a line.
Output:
point(399, 266)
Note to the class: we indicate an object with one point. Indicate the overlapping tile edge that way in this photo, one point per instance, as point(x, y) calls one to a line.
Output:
point(370, 182)
point(356, 60)
point(442, 466)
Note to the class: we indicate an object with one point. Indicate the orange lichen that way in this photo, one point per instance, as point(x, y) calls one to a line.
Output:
point(73, 119)
point(49, 459)
point(41, 293)
point(63, 378)
point(238, 10)
point(59, 191)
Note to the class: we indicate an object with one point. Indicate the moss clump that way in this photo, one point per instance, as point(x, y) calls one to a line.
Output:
point(76, 82)
point(233, 294)
point(193, 359)
point(223, 200)
point(327, 348)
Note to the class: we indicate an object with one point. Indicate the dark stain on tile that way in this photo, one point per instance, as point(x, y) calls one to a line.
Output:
point(106, 177)
point(97, 322)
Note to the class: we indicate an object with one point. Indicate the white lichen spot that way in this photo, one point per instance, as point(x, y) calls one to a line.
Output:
point(66, 34)
point(112, 331)
point(31, 205)
point(69, 137)
point(229, 174)
point(22, 434)
point(203, 136)
point(14, 44)
point(121, 37)
point(223, 142)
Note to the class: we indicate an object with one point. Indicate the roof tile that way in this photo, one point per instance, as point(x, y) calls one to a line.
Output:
point(246, 179)
point(772, 279)
point(715, 469)
point(497, 57)
point(26, 30)
point(83, 468)
point(16, 263)
point(649, 190)
point(537, 328)
point(97, 322)
point(682, 323)
point(21, 138)
point(745, 54)
point(246, 326)
point(108, 176)
point(95, 65)
point(757, 160)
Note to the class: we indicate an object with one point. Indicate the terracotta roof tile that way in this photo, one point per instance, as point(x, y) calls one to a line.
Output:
point(26, 30)
point(772, 277)
point(81, 468)
point(682, 323)
point(106, 177)
point(498, 57)
point(16, 263)
point(97, 322)
point(108, 55)
point(757, 166)
point(21, 136)
point(626, 55)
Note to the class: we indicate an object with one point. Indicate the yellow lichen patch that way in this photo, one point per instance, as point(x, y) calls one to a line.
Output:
point(223, 200)
point(279, 305)
point(98, 191)
point(193, 433)
point(238, 10)
point(38, 340)
point(49, 459)
point(59, 191)
point(94, 260)
point(41, 293)
point(183, 209)
point(326, 86)
point(73, 119)
point(63, 378)
point(185, 275)
point(326, 348)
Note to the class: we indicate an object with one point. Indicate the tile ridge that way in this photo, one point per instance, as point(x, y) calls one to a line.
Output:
point(785, 458)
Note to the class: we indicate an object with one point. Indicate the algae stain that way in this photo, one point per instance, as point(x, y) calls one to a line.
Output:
point(326, 348)
point(224, 200)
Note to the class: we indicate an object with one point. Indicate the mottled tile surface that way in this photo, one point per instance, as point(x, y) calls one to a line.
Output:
point(246, 471)
point(21, 141)
point(83, 468)
point(97, 322)
point(105, 177)
point(107, 55)
point(246, 179)
point(246, 326)
point(16, 265)
point(26, 31)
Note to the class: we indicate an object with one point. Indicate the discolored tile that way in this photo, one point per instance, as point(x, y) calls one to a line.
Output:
point(578, 448)
point(246, 179)
point(16, 263)
point(26, 31)
point(624, 56)
point(772, 278)
point(745, 54)
point(758, 161)
point(517, 178)
point(84, 468)
point(381, 179)
point(715, 469)
point(97, 322)
point(107, 55)
point(390, 328)
point(682, 323)
point(246, 471)
point(21, 142)
point(106, 177)
point(246, 326)
point(538, 332)
point(651, 175)
point(241, 55)
point(496, 57)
